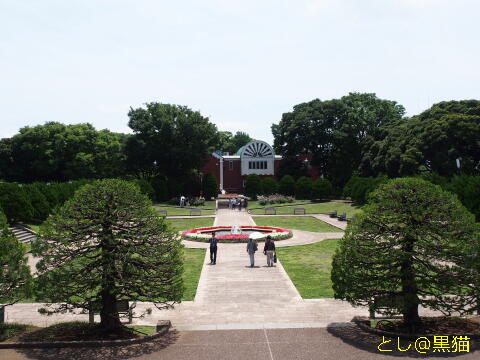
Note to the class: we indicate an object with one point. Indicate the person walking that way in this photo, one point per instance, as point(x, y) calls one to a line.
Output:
point(240, 204)
point(245, 203)
point(251, 248)
point(213, 249)
point(269, 250)
point(230, 204)
point(234, 202)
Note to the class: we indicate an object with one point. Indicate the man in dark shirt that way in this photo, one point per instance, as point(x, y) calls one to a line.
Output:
point(213, 249)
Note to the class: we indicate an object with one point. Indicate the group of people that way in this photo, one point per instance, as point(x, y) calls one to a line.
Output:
point(237, 203)
point(186, 201)
point(252, 247)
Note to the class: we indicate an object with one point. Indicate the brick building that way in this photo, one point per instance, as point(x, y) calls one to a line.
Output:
point(257, 157)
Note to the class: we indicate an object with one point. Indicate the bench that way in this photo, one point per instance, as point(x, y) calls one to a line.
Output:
point(333, 214)
point(162, 212)
point(123, 308)
point(195, 212)
point(342, 217)
point(299, 210)
point(271, 210)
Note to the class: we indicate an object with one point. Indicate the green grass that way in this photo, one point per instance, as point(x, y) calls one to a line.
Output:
point(309, 267)
point(186, 224)
point(10, 330)
point(144, 329)
point(33, 227)
point(256, 204)
point(193, 262)
point(178, 211)
point(314, 208)
point(306, 223)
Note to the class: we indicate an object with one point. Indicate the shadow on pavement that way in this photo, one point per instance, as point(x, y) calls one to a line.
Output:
point(102, 353)
point(356, 337)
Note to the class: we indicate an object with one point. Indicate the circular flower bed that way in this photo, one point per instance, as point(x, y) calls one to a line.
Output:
point(223, 233)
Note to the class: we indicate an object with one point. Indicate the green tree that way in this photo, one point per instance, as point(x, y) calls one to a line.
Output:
point(412, 245)
point(431, 141)
point(170, 140)
point(160, 188)
point(467, 188)
point(303, 188)
point(287, 185)
point(232, 143)
point(210, 186)
point(15, 278)
point(41, 207)
point(106, 244)
point(15, 203)
point(321, 189)
point(58, 152)
point(334, 131)
point(269, 186)
point(253, 186)
point(145, 188)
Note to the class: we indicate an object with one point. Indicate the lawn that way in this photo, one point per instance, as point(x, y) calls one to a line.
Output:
point(255, 204)
point(186, 224)
point(306, 223)
point(309, 267)
point(193, 263)
point(314, 208)
point(178, 211)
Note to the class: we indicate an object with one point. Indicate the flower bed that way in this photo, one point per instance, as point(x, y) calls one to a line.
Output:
point(204, 234)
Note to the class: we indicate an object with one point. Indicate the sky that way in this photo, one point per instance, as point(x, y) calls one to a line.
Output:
point(242, 63)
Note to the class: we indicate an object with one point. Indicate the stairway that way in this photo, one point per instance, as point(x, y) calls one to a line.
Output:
point(23, 234)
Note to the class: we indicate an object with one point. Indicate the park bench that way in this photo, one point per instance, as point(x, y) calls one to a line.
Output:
point(299, 210)
point(333, 214)
point(270, 210)
point(195, 212)
point(123, 308)
point(162, 212)
point(342, 217)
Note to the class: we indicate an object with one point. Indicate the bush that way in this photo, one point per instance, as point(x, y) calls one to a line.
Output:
point(269, 186)
point(15, 203)
point(303, 188)
point(321, 189)
point(210, 186)
point(145, 188)
point(275, 199)
point(253, 186)
point(41, 207)
point(358, 188)
point(287, 185)
point(467, 188)
point(160, 189)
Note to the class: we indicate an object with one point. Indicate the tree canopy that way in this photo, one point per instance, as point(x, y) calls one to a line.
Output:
point(169, 139)
point(106, 244)
point(413, 244)
point(334, 131)
point(431, 141)
point(232, 143)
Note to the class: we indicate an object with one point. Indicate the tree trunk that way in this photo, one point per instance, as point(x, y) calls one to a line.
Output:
point(109, 318)
point(411, 318)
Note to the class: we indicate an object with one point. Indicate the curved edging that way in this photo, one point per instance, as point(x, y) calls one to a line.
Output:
point(362, 324)
point(162, 328)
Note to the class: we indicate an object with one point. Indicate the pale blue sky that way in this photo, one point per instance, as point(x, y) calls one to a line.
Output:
point(242, 63)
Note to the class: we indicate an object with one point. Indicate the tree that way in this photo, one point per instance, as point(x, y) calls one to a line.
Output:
point(41, 208)
point(145, 188)
point(253, 186)
point(287, 185)
point(210, 186)
point(169, 140)
point(58, 152)
point(160, 188)
point(269, 186)
point(232, 143)
point(335, 131)
point(15, 278)
point(321, 189)
point(413, 244)
point(431, 141)
point(467, 188)
point(15, 203)
point(106, 244)
point(303, 188)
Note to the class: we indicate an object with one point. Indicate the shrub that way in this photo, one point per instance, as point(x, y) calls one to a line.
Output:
point(145, 188)
point(210, 186)
point(41, 207)
point(303, 188)
point(287, 185)
point(15, 203)
point(253, 186)
point(358, 188)
point(321, 189)
point(275, 199)
point(160, 188)
point(269, 186)
point(467, 188)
